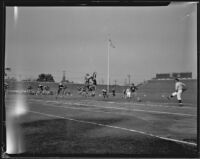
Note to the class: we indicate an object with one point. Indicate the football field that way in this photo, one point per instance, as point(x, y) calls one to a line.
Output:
point(75, 125)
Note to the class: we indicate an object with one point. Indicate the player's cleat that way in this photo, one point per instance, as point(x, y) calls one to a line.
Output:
point(138, 99)
point(180, 104)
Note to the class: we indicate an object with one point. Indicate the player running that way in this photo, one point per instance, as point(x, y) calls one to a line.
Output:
point(94, 79)
point(40, 89)
point(104, 92)
point(46, 90)
point(91, 83)
point(180, 87)
point(133, 89)
point(113, 92)
point(60, 89)
point(82, 90)
point(128, 93)
point(87, 80)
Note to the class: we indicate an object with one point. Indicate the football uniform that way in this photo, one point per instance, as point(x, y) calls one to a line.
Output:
point(104, 92)
point(41, 87)
point(180, 87)
point(60, 87)
point(128, 92)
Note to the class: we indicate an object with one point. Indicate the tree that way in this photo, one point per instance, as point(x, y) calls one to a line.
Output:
point(45, 78)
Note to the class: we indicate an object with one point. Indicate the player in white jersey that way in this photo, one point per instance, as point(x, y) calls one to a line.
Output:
point(180, 87)
point(128, 93)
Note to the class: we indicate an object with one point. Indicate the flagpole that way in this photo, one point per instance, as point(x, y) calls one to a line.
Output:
point(108, 67)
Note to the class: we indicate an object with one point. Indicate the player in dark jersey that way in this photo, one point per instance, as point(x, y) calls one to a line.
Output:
point(46, 90)
point(113, 91)
point(90, 83)
point(93, 83)
point(60, 88)
point(94, 75)
point(94, 79)
point(82, 91)
point(40, 89)
point(133, 89)
point(92, 90)
point(87, 80)
point(104, 92)
point(124, 93)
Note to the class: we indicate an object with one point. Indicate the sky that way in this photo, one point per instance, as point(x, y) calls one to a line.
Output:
point(147, 40)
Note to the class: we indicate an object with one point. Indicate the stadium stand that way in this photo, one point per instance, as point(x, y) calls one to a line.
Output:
point(154, 89)
point(181, 75)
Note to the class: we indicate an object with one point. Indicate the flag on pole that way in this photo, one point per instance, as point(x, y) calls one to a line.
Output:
point(111, 44)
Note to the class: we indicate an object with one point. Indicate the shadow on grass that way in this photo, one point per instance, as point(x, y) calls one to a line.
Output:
point(68, 138)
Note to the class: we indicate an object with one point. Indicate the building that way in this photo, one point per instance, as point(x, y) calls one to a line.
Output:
point(181, 75)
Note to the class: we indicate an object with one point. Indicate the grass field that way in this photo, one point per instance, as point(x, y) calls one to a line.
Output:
point(79, 126)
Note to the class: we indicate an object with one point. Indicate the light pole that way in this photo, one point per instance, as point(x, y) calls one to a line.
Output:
point(129, 79)
point(108, 71)
point(115, 83)
point(110, 44)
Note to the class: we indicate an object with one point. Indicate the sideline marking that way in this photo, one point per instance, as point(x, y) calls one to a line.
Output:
point(119, 108)
point(87, 109)
point(141, 110)
point(117, 127)
point(165, 105)
point(22, 91)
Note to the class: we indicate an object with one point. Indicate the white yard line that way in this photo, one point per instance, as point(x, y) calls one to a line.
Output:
point(149, 104)
point(165, 105)
point(140, 110)
point(117, 127)
point(120, 108)
point(86, 109)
